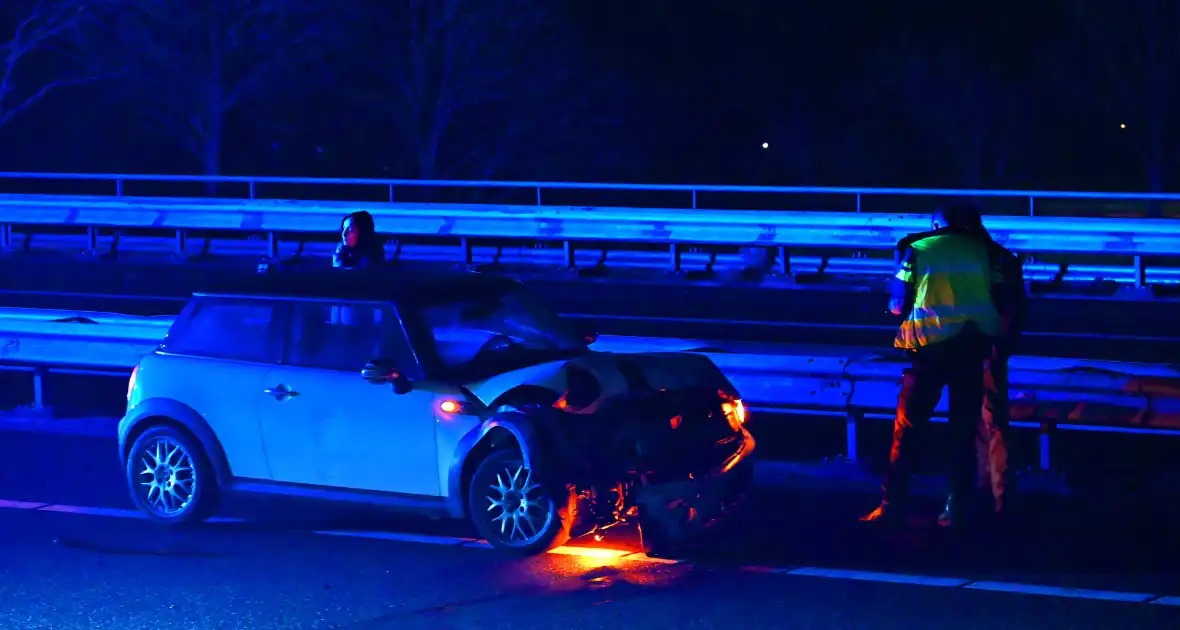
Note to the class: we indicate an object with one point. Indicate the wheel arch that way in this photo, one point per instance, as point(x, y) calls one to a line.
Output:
point(155, 412)
point(510, 426)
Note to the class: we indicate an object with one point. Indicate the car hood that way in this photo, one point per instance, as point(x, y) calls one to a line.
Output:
point(587, 382)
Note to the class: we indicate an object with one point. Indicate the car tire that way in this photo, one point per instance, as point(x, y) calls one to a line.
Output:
point(170, 478)
point(495, 506)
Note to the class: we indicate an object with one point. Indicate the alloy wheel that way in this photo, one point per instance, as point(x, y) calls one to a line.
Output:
point(518, 507)
point(167, 479)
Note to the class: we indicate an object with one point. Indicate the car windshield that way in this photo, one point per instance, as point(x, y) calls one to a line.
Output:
point(498, 331)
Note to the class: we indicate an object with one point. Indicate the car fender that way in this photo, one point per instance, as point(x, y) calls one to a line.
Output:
point(187, 417)
point(523, 428)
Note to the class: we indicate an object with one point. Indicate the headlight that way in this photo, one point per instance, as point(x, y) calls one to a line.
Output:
point(735, 413)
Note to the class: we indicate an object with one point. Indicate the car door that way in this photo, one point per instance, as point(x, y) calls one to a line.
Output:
point(324, 425)
point(219, 351)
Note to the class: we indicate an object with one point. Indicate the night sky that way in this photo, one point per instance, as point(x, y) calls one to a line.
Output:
point(921, 93)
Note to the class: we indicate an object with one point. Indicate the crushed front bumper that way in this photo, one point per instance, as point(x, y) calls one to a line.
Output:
point(678, 510)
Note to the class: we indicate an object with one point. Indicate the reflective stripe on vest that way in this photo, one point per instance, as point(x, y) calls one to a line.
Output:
point(952, 277)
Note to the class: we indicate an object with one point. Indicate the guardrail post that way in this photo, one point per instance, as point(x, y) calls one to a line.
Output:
point(674, 257)
point(272, 245)
point(1140, 273)
point(118, 188)
point(694, 199)
point(468, 251)
point(39, 375)
point(5, 236)
point(91, 238)
point(570, 255)
point(251, 189)
point(391, 193)
point(858, 202)
point(1043, 445)
point(851, 422)
point(181, 241)
point(783, 262)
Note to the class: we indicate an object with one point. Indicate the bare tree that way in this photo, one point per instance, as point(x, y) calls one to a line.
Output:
point(470, 85)
point(961, 106)
point(190, 64)
point(32, 29)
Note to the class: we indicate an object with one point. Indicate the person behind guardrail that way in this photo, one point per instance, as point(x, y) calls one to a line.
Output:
point(943, 289)
point(360, 244)
point(360, 248)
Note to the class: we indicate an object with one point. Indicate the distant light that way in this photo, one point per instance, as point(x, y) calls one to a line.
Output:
point(765, 145)
point(1122, 125)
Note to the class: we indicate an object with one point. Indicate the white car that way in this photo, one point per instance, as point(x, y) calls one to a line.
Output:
point(455, 395)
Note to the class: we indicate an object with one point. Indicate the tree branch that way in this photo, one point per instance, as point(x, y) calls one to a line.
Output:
point(191, 63)
point(7, 113)
point(44, 23)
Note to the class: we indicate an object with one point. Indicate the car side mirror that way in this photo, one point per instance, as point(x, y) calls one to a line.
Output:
point(381, 372)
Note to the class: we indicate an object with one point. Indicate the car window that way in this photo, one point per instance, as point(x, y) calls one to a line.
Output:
point(344, 336)
point(225, 329)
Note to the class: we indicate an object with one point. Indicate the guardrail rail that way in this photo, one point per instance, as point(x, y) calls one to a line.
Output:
point(852, 384)
point(798, 241)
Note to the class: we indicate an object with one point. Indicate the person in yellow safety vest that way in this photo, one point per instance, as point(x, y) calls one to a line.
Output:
point(943, 289)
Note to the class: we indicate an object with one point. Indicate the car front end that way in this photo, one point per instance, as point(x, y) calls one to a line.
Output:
point(656, 439)
point(679, 462)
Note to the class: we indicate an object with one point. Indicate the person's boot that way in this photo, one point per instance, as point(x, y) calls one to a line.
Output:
point(887, 514)
point(958, 512)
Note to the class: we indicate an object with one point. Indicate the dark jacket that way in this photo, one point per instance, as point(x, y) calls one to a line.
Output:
point(1010, 296)
point(369, 250)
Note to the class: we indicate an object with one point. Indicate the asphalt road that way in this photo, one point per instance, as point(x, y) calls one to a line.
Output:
point(72, 555)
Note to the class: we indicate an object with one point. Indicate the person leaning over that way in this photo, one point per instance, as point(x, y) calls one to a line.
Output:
point(943, 289)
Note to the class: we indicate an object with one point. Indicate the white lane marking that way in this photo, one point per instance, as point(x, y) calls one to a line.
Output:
point(97, 511)
point(92, 511)
point(873, 576)
point(1055, 591)
point(119, 513)
point(639, 556)
point(20, 505)
point(472, 543)
point(415, 538)
point(844, 574)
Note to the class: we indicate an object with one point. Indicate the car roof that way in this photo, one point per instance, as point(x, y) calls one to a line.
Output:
point(381, 284)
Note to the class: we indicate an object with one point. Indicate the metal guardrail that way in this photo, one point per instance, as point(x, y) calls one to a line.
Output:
point(107, 222)
point(473, 253)
point(849, 383)
point(1028, 198)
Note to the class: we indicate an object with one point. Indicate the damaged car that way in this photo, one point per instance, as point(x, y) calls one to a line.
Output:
point(447, 394)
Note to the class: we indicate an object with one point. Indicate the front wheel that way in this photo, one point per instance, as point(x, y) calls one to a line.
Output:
point(170, 478)
point(513, 510)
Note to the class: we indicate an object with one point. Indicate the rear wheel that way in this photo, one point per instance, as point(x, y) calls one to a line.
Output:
point(170, 478)
point(513, 510)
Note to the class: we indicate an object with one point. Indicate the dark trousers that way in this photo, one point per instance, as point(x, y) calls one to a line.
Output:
point(958, 365)
point(991, 445)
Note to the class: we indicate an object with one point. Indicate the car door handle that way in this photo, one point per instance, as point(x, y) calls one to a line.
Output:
point(280, 391)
